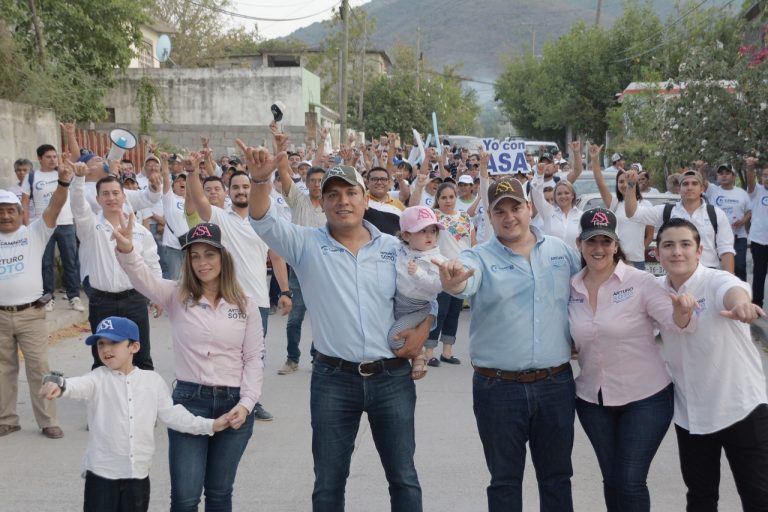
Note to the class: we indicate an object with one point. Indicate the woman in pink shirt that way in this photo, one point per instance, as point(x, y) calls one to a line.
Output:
point(217, 345)
point(624, 393)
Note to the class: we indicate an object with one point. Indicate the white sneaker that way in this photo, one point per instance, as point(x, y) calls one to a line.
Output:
point(288, 367)
point(76, 304)
point(49, 306)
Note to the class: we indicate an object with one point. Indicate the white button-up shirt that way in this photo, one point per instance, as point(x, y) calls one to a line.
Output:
point(97, 249)
point(717, 371)
point(122, 411)
point(714, 245)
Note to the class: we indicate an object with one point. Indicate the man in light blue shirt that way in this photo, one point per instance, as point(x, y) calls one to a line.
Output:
point(347, 275)
point(518, 284)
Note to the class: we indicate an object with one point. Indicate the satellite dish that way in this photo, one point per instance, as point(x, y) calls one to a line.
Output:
point(163, 49)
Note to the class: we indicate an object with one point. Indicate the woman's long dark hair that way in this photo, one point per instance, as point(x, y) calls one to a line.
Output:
point(619, 195)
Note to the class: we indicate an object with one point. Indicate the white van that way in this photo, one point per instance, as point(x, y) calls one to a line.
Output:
point(533, 146)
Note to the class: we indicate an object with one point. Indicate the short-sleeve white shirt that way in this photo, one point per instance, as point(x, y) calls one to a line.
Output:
point(21, 263)
point(44, 185)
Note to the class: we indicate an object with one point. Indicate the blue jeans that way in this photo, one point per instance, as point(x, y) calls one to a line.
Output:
point(207, 463)
point(173, 261)
point(449, 309)
point(337, 401)
point(508, 415)
point(295, 318)
point(65, 238)
point(740, 260)
point(625, 439)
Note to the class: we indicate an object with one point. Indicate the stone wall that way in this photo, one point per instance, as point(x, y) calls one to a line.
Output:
point(22, 129)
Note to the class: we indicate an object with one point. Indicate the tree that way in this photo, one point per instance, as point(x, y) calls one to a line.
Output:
point(394, 104)
point(201, 27)
point(67, 52)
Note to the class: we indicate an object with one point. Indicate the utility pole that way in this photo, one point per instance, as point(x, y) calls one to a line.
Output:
point(597, 15)
point(344, 57)
point(362, 76)
point(418, 57)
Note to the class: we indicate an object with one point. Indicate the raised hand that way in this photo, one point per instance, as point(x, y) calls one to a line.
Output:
point(745, 312)
point(66, 170)
point(204, 142)
point(751, 162)
point(155, 182)
point(281, 139)
point(594, 151)
point(259, 162)
point(80, 169)
point(123, 235)
point(575, 146)
point(453, 276)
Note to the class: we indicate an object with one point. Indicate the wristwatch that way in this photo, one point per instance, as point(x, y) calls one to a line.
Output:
point(58, 379)
point(287, 293)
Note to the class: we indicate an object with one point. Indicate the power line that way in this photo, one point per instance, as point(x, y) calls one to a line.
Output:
point(663, 43)
point(258, 18)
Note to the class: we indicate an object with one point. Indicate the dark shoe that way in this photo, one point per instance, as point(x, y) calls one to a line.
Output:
point(261, 414)
point(433, 362)
point(8, 429)
point(449, 360)
point(53, 432)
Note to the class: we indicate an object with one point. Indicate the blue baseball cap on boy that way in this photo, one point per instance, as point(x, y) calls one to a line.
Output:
point(115, 328)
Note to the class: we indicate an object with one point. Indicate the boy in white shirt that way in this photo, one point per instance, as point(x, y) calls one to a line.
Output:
point(124, 403)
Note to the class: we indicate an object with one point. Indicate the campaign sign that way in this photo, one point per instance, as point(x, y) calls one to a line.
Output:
point(506, 156)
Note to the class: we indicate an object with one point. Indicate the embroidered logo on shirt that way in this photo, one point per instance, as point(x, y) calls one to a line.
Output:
point(496, 268)
point(557, 261)
point(575, 300)
point(327, 249)
point(236, 313)
point(387, 256)
point(764, 201)
point(622, 295)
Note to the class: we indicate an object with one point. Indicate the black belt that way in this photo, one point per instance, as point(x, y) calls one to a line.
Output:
point(21, 307)
point(364, 368)
point(113, 295)
point(525, 376)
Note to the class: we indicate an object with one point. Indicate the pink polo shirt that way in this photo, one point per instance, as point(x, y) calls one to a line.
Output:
point(617, 350)
point(213, 346)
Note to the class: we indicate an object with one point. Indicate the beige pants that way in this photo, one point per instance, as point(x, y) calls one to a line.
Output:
point(25, 331)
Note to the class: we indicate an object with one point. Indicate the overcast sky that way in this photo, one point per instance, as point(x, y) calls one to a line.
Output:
point(291, 9)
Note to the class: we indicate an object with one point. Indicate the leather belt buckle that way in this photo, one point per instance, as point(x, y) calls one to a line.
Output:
point(360, 369)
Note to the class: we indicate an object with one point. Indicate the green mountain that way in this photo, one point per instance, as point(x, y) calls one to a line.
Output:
point(479, 35)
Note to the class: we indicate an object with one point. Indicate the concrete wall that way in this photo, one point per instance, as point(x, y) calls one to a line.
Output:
point(212, 97)
point(22, 129)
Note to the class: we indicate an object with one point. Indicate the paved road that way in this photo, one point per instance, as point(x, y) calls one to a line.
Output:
point(276, 471)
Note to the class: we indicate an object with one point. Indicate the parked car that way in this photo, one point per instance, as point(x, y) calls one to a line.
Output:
point(591, 200)
point(534, 147)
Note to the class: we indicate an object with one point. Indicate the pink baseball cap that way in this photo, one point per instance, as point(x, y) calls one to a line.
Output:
point(416, 218)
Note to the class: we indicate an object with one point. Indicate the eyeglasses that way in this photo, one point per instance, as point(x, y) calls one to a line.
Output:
point(378, 180)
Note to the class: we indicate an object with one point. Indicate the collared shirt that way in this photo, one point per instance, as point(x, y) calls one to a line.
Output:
point(616, 344)
point(390, 204)
point(717, 370)
point(351, 297)
point(248, 251)
point(520, 307)
point(713, 245)
point(565, 226)
point(213, 346)
point(122, 411)
point(21, 263)
point(97, 249)
point(135, 200)
point(303, 212)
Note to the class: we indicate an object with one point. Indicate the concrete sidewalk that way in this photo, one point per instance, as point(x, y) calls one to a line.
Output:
point(276, 471)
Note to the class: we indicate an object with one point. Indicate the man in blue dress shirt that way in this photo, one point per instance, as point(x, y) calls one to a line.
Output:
point(346, 270)
point(518, 284)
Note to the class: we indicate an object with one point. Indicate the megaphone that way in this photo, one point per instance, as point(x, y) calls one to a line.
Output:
point(122, 140)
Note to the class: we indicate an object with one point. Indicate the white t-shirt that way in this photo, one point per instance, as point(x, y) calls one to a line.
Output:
point(464, 205)
point(717, 370)
point(248, 251)
point(175, 220)
point(758, 233)
point(44, 185)
point(734, 202)
point(21, 263)
point(283, 210)
point(631, 234)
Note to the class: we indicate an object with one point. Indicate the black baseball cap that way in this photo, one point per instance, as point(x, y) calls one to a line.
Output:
point(598, 221)
point(205, 233)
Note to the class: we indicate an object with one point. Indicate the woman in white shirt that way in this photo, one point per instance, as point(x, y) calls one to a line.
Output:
point(562, 218)
point(456, 236)
point(634, 236)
